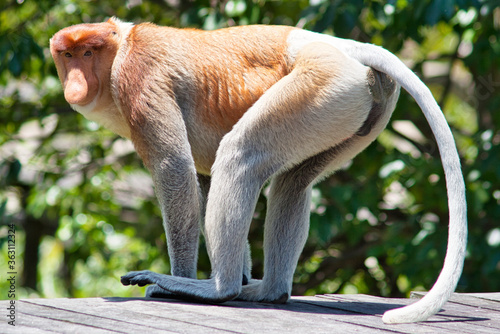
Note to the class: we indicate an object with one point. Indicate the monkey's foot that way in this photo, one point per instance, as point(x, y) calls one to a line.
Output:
point(183, 287)
point(255, 291)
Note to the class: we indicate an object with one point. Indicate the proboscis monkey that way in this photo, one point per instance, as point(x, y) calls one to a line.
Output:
point(215, 114)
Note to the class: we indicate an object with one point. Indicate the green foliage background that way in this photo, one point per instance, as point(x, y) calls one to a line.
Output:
point(84, 207)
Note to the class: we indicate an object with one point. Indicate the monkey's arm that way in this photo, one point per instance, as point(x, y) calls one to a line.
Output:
point(160, 138)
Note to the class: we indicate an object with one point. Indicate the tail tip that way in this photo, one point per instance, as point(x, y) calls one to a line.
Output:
point(405, 315)
point(390, 317)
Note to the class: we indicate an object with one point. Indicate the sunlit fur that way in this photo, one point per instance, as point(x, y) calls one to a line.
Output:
point(214, 115)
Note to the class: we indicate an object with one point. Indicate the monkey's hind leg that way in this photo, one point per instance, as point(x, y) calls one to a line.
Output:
point(287, 219)
point(286, 230)
point(287, 225)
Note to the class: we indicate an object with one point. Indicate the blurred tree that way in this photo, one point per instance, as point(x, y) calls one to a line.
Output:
point(84, 207)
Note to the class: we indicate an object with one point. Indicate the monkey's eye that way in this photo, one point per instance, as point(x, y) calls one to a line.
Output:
point(87, 54)
point(68, 55)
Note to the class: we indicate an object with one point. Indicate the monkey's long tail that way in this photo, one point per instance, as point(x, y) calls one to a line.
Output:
point(384, 61)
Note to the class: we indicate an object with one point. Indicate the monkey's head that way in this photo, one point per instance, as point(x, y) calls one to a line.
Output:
point(83, 55)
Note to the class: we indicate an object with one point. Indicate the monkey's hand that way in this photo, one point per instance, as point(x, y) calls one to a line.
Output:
point(140, 278)
point(145, 277)
point(183, 287)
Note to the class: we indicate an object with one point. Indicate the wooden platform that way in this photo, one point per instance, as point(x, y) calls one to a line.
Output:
point(465, 313)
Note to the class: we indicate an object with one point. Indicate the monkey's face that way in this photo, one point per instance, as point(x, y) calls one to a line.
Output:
point(83, 55)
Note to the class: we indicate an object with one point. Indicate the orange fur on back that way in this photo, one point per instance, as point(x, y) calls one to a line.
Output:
point(215, 76)
point(244, 62)
point(226, 70)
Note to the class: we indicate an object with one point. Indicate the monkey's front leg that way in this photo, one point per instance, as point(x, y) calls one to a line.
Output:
point(163, 145)
point(180, 202)
point(178, 195)
point(231, 202)
point(181, 215)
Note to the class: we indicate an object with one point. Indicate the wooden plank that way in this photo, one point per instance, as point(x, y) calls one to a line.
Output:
point(485, 300)
point(320, 314)
point(115, 318)
point(33, 325)
point(453, 317)
point(195, 318)
point(492, 296)
point(364, 304)
point(369, 314)
point(63, 321)
point(235, 317)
